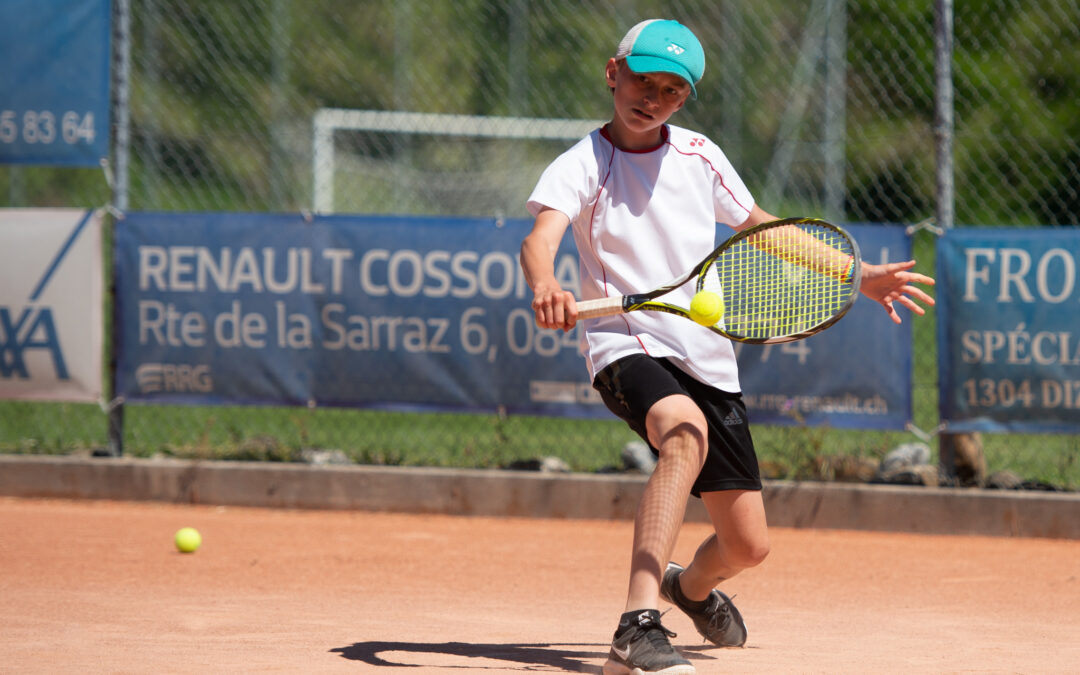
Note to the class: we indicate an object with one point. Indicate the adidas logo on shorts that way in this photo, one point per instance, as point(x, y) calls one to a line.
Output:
point(732, 419)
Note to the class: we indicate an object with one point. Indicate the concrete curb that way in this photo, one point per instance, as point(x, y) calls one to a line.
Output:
point(519, 494)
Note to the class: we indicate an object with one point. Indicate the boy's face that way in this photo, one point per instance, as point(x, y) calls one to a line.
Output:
point(644, 101)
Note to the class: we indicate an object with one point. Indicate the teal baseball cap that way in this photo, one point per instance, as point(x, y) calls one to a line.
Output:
point(663, 46)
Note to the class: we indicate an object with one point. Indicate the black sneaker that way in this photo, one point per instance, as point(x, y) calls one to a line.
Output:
point(719, 622)
point(644, 648)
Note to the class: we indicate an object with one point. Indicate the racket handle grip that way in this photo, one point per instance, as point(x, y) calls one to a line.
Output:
point(590, 309)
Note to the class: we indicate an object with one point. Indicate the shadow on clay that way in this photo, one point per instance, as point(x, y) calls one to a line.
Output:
point(570, 658)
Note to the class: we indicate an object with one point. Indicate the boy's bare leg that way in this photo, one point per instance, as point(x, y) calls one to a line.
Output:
point(677, 429)
point(741, 541)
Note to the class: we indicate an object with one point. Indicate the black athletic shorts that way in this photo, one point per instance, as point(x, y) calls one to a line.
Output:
point(631, 385)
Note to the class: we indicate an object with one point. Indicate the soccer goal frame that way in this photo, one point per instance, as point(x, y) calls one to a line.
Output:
point(327, 121)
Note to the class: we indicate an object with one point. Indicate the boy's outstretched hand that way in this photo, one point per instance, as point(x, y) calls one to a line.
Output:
point(891, 283)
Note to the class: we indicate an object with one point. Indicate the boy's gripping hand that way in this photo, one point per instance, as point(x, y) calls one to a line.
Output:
point(892, 283)
point(554, 307)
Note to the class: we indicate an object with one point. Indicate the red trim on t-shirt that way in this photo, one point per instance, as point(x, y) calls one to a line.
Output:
point(643, 347)
point(719, 175)
point(592, 216)
point(592, 222)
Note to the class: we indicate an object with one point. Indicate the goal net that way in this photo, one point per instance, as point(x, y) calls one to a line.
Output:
point(377, 161)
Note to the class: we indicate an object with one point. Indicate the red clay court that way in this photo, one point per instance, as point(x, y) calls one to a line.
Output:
point(96, 586)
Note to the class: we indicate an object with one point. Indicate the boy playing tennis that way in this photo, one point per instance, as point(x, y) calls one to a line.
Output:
point(644, 198)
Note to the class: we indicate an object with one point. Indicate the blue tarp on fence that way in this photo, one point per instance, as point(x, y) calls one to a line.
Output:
point(423, 313)
point(54, 83)
point(1009, 329)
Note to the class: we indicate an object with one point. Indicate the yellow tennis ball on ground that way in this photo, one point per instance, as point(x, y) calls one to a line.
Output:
point(706, 308)
point(188, 540)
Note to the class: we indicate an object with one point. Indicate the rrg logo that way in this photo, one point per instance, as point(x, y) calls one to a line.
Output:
point(153, 378)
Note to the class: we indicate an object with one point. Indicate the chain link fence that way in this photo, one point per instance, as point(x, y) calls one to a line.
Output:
point(826, 107)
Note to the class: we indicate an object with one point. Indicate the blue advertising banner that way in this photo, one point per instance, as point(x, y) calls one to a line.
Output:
point(413, 313)
point(54, 83)
point(1009, 329)
point(360, 311)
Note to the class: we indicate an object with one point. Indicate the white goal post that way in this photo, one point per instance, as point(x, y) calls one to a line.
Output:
point(329, 120)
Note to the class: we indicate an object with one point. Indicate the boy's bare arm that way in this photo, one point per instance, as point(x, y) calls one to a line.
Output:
point(554, 307)
point(886, 284)
point(756, 217)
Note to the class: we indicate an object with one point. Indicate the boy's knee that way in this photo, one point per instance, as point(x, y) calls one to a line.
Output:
point(676, 420)
point(686, 439)
point(755, 555)
point(745, 554)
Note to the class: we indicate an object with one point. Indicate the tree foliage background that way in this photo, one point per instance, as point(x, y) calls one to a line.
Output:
point(826, 107)
point(223, 95)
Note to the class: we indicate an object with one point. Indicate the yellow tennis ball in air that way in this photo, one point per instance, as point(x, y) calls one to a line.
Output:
point(188, 540)
point(706, 308)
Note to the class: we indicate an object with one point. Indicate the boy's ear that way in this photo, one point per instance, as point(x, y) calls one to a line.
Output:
point(611, 71)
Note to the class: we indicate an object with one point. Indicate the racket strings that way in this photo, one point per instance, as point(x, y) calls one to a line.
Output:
point(779, 285)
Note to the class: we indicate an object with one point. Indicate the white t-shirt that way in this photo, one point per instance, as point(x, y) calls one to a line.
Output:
point(641, 219)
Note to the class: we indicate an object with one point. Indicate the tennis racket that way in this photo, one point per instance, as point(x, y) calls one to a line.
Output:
point(780, 281)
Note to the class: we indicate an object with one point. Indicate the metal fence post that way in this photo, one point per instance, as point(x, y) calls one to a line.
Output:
point(944, 185)
point(122, 152)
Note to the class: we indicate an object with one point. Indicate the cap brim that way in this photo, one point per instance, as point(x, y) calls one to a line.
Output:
point(656, 64)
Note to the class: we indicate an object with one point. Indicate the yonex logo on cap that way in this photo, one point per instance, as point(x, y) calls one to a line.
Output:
point(660, 46)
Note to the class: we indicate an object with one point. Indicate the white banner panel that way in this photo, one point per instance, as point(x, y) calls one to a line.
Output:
point(51, 304)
